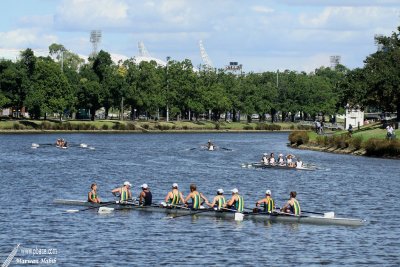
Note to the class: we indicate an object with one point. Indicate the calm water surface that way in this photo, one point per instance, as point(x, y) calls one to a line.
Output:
point(350, 186)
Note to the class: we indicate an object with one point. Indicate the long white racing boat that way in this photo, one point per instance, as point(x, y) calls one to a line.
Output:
point(276, 217)
point(276, 166)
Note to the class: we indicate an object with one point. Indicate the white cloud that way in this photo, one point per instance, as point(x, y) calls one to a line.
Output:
point(24, 38)
point(262, 9)
point(86, 14)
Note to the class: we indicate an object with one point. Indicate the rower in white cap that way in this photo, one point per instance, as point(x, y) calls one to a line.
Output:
point(236, 202)
point(145, 197)
point(218, 201)
point(124, 192)
point(174, 197)
point(269, 204)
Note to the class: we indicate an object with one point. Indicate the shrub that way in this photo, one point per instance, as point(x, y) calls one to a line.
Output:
point(248, 127)
point(130, 126)
point(298, 138)
point(379, 147)
point(305, 127)
point(173, 127)
point(356, 142)
point(292, 127)
point(185, 127)
point(104, 127)
point(93, 127)
point(45, 125)
point(16, 126)
point(260, 126)
point(146, 126)
point(322, 140)
point(217, 126)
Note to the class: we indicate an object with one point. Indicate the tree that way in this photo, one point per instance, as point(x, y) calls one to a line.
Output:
point(382, 70)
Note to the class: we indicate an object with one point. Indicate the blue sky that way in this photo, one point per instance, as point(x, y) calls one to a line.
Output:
point(262, 35)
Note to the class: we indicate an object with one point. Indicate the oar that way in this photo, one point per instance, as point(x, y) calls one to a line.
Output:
point(95, 207)
point(228, 149)
point(193, 213)
point(329, 214)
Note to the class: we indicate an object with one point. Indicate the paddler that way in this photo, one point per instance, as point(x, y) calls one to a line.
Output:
point(124, 192)
point(264, 159)
point(299, 163)
point(210, 145)
point(292, 206)
point(196, 198)
point(92, 195)
point(269, 204)
point(218, 201)
point(272, 160)
point(281, 160)
point(236, 202)
point(174, 197)
point(145, 197)
point(289, 161)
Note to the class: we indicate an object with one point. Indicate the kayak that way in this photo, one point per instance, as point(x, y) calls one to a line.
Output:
point(178, 210)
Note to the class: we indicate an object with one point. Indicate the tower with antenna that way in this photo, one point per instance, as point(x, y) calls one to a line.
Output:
point(95, 39)
point(207, 64)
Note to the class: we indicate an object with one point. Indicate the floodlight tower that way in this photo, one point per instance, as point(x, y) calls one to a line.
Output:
point(335, 60)
point(142, 50)
point(206, 59)
point(95, 38)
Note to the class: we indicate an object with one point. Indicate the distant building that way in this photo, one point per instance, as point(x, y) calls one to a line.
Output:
point(354, 116)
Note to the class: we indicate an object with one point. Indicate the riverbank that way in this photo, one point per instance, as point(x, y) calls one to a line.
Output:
point(366, 141)
point(113, 126)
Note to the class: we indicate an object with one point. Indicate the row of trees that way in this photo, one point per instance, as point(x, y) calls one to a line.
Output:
point(63, 83)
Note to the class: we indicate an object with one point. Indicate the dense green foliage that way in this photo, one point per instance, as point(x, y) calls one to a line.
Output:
point(63, 84)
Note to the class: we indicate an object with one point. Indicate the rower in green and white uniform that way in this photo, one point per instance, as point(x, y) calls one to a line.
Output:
point(236, 202)
point(218, 201)
point(92, 195)
point(292, 206)
point(196, 198)
point(269, 204)
point(174, 197)
point(124, 192)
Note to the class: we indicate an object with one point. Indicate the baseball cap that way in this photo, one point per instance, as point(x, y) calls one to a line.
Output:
point(235, 190)
point(127, 183)
point(221, 191)
point(144, 186)
point(175, 185)
point(268, 192)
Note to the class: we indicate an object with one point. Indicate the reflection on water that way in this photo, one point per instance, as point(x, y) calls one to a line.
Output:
point(350, 186)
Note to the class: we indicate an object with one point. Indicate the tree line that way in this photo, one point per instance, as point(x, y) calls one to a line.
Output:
point(63, 83)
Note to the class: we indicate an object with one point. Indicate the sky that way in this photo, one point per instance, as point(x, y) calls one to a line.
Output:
point(262, 35)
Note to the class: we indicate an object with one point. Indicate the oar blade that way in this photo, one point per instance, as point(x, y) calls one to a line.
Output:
point(105, 210)
point(72, 211)
point(239, 216)
point(330, 214)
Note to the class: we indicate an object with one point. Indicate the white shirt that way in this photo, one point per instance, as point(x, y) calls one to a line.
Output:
point(389, 129)
point(299, 164)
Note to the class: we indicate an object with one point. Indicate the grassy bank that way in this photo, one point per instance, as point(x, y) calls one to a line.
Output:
point(141, 126)
point(369, 140)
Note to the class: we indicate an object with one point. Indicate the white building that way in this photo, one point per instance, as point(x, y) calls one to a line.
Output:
point(354, 116)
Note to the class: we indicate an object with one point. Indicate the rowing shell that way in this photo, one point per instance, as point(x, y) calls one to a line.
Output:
point(277, 166)
point(312, 219)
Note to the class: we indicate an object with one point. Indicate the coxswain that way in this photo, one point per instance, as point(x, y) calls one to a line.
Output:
point(236, 202)
point(281, 160)
point(269, 204)
point(196, 198)
point(272, 160)
point(218, 201)
point(145, 197)
point(292, 206)
point(124, 192)
point(92, 195)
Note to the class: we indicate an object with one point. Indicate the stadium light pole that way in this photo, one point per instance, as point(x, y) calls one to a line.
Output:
point(168, 58)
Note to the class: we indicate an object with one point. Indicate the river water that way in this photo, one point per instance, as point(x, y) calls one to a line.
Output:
point(348, 185)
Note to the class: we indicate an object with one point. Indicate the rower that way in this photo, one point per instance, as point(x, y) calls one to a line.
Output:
point(210, 146)
point(265, 159)
point(174, 196)
point(196, 198)
point(292, 206)
point(269, 204)
point(92, 195)
point(299, 163)
point(145, 197)
point(218, 201)
point(289, 161)
point(272, 160)
point(124, 192)
point(236, 202)
point(281, 160)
